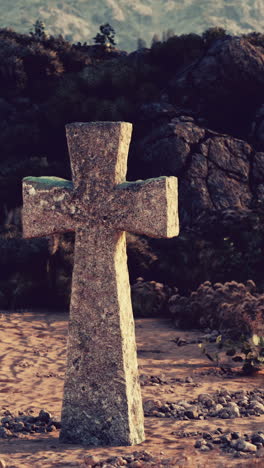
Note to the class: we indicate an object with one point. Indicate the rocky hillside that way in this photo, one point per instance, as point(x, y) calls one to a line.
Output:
point(197, 107)
point(79, 20)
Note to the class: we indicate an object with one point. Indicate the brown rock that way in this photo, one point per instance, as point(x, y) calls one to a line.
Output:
point(230, 66)
point(214, 170)
point(91, 460)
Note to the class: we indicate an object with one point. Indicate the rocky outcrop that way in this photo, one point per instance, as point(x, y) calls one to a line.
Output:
point(216, 171)
point(226, 84)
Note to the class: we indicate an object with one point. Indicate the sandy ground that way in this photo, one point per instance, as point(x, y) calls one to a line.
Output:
point(32, 356)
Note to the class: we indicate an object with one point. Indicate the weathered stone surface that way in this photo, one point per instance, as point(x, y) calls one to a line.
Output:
point(232, 65)
point(215, 171)
point(102, 400)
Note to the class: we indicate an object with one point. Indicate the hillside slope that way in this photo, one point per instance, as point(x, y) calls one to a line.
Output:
point(79, 20)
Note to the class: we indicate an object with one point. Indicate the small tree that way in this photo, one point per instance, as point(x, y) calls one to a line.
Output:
point(141, 43)
point(106, 37)
point(167, 34)
point(213, 34)
point(39, 30)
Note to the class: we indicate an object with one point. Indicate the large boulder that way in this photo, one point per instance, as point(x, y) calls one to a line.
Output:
point(216, 171)
point(225, 85)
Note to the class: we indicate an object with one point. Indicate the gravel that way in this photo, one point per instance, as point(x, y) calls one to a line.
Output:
point(222, 404)
point(234, 443)
point(12, 426)
point(138, 459)
point(154, 380)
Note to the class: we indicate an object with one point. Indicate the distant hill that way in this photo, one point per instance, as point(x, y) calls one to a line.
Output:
point(79, 20)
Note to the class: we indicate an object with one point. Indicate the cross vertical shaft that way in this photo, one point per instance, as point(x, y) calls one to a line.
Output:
point(102, 400)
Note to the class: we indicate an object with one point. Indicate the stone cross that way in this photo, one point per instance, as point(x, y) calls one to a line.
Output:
point(102, 399)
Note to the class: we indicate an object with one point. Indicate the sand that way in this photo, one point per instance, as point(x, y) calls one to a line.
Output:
point(33, 346)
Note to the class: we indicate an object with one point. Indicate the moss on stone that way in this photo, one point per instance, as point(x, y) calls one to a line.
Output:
point(48, 181)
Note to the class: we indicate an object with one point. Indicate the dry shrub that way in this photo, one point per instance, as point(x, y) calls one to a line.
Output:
point(149, 298)
point(234, 307)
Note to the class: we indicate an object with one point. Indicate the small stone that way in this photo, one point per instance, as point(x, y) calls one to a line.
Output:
point(55, 423)
point(210, 445)
point(257, 406)
point(225, 439)
point(145, 455)
point(31, 419)
point(90, 460)
point(185, 404)
point(44, 416)
point(258, 398)
point(243, 402)
point(151, 405)
point(241, 394)
point(136, 464)
point(189, 380)
point(128, 458)
point(3, 433)
point(237, 454)
point(222, 400)
point(235, 435)
point(205, 448)
point(27, 427)
point(224, 414)
point(244, 446)
point(192, 413)
point(204, 397)
point(117, 461)
point(40, 429)
point(198, 444)
point(216, 410)
point(233, 410)
point(217, 440)
point(50, 428)
point(219, 430)
point(257, 438)
point(6, 420)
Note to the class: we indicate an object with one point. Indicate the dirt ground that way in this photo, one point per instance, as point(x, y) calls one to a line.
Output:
point(32, 355)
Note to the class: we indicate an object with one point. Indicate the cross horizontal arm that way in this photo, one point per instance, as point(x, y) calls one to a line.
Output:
point(148, 207)
point(46, 206)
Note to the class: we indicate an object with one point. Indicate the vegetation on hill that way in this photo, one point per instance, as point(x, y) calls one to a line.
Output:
point(78, 20)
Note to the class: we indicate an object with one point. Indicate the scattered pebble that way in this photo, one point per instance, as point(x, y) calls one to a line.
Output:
point(12, 425)
point(222, 404)
point(153, 380)
point(141, 459)
point(233, 443)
